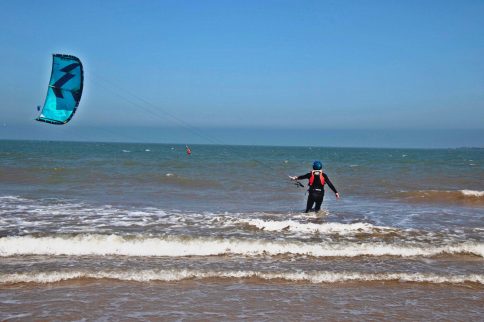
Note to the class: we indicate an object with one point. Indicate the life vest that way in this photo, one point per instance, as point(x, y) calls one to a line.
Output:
point(316, 173)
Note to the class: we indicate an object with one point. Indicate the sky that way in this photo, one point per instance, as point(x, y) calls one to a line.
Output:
point(349, 73)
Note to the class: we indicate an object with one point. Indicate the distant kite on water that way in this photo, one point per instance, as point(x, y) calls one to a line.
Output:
point(65, 90)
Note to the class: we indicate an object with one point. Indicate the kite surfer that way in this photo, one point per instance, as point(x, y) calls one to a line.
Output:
point(188, 149)
point(317, 180)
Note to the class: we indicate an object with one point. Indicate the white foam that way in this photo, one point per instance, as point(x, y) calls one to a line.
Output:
point(472, 193)
point(328, 228)
point(77, 216)
point(100, 245)
point(12, 198)
point(178, 275)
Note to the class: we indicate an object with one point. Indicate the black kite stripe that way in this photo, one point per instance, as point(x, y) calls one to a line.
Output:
point(70, 67)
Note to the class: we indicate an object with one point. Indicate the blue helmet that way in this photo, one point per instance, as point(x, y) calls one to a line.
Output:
point(317, 165)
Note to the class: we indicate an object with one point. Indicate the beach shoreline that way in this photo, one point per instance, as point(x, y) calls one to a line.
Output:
point(221, 299)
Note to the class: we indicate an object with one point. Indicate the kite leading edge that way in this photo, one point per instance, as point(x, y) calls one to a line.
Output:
point(64, 91)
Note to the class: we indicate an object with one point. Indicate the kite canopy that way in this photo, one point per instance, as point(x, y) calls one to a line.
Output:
point(65, 90)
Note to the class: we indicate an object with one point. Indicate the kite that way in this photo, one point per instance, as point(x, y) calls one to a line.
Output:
point(64, 91)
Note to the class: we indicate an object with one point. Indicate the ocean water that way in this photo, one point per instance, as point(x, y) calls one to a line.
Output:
point(92, 230)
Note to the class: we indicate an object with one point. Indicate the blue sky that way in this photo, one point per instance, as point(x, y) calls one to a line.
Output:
point(295, 65)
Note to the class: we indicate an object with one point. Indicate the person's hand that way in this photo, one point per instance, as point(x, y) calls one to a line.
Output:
point(337, 195)
point(293, 178)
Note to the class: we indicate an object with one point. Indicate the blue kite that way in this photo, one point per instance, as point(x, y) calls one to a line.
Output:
point(64, 91)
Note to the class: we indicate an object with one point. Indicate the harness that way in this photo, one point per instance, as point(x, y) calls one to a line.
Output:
point(315, 173)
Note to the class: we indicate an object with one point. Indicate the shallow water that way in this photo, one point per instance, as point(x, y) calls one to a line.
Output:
point(221, 299)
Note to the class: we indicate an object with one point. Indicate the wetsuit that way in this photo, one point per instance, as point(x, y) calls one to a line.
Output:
point(316, 190)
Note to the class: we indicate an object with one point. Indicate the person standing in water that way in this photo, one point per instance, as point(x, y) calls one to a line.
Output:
point(317, 180)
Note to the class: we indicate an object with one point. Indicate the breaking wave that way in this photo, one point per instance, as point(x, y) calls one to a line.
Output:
point(473, 193)
point(301, 227)
point(468, 197)
point(101, 245)
point(178, 275)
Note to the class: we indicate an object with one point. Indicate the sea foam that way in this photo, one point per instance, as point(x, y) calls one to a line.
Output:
point(178, 275)
point(472, 193)
point(302, 227)
point(100, 245)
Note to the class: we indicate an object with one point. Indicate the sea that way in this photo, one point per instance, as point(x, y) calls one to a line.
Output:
point(124, 231)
